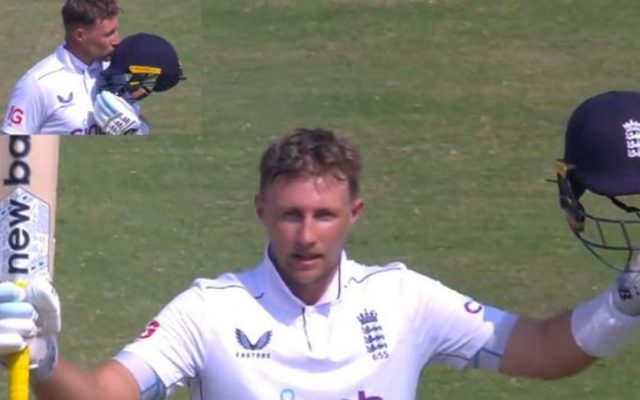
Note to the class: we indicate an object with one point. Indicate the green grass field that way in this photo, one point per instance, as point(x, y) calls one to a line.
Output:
point(459, 108)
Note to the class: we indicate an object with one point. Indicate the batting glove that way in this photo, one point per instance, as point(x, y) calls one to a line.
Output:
point(116, 116)
point(30, 317)
point(627, 298)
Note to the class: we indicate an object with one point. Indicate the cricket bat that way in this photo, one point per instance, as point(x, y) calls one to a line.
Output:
point(29, 176)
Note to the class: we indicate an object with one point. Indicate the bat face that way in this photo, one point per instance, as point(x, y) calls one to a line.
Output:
point(28, 173)
point(24, 235)
point(27, 199)
point(18, 171)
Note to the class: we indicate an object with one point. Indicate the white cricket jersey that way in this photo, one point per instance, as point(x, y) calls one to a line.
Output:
point(245, 336)
point(55, 97)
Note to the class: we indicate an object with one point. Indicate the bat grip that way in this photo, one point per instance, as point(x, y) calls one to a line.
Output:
point(18, 368)
point(19, 375)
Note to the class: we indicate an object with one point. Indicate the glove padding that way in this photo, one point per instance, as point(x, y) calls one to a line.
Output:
point(116, 116)
point(627, 296)
point(30, 317)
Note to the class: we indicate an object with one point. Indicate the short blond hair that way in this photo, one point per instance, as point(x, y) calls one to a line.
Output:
point(88, 12)
point(311, 153)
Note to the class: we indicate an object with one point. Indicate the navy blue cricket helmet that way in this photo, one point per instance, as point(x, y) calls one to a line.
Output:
point(142, 63)
point(602, 156)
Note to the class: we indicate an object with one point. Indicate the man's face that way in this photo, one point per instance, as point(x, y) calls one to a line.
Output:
point(100, 39)
point(307, 220)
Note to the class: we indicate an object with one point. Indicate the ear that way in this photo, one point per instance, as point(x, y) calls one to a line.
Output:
point(78, 34)
point(357, 205)
point(258, 202)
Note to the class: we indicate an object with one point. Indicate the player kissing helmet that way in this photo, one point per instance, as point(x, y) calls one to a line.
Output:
point(602, 156)
point(142, 63)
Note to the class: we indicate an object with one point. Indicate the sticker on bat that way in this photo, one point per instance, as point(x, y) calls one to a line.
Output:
point(24, 235)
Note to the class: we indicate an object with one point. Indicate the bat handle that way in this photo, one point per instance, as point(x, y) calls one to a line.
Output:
point(19, 375)
point(18, 368)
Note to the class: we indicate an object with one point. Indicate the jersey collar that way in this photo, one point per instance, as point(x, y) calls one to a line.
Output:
point(73, 63)
point(275, 286)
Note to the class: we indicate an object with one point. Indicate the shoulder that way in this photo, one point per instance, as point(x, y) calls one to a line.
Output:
point(38, 77)
point(398, 281)
point(358, 273)
point(227, 281)
point(46, 67)
point(228, 284)
point(391, 273)
point(205, 294)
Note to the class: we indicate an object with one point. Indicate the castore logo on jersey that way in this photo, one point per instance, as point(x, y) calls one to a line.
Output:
point(67, 100)
point(254, 348)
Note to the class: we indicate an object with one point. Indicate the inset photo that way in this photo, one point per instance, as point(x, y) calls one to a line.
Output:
point(88, 65)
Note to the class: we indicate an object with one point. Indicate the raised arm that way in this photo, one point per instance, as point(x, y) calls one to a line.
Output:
point(69, 382)
point(544, 349)
point(567, 343)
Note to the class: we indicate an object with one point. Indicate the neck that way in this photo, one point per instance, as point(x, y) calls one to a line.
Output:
point(310, 293)
point(77, 50)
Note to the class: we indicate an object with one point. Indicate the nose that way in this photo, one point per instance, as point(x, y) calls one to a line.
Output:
point(306, 233)
point(116, 40)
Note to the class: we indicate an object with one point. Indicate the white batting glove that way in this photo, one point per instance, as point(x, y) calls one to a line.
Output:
point(627, 297)
point(30, 317)
point(116, 116)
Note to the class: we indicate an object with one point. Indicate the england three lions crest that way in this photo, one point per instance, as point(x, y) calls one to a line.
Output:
point(632, 136)
point(374, 340)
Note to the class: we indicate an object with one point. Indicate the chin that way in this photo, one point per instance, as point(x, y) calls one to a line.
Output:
point(303, 267)
point(305, 280)
point(300, 273)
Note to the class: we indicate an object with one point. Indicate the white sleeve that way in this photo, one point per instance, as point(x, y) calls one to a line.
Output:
point(451, 327)
point(26, 110)
point(488, 357)
point(172, 343)
point(149, 384)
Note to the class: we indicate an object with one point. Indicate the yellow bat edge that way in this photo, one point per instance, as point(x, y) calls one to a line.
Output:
point(18, 366)
point(19, 375)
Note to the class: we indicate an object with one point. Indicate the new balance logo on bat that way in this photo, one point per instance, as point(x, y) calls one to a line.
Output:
point(24, 218)
point(18, 238)
point(19, 171)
